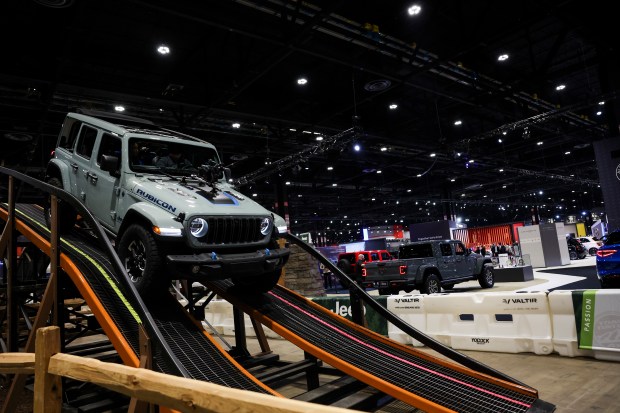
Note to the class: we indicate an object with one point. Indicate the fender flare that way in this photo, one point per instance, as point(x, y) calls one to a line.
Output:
point(148, 214)
point(423, 269)
point(60, 170)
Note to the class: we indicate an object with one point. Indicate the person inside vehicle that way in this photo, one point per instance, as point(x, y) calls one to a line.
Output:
point(137, 154)
point(174, 160)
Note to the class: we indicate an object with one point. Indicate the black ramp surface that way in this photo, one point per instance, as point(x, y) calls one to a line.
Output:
point(199, 355)
point(391, 363)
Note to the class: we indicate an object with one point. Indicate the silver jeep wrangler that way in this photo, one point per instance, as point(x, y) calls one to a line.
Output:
point(165, 199)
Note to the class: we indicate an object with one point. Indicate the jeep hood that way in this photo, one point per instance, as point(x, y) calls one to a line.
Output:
point(177, 197)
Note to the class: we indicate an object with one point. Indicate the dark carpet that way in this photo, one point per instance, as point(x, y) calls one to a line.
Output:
point(589, 272)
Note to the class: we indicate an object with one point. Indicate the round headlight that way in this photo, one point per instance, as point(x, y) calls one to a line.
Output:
point(198, 227)
point(265, 226)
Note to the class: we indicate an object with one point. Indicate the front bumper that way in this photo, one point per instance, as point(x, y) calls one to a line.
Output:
point(220, 266)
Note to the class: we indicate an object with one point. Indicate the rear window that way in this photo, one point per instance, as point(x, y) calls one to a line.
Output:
point(416, 251)
point(613, 238)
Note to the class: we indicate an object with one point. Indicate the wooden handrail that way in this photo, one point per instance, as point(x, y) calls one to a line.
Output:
point(178, 393)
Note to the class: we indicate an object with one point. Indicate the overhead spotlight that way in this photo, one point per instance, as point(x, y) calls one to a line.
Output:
point(393, 106)
point(236, 125)
point(560, 87)
point(500, 140)
point(433, 155)
point(414, 10)
point(599, 113)
point(119, 108)
point(502, 57)
point(357, 147)
point(458, 123)
point(302, 81)
point(602, 102)
point(319, 138)
point(163, 50)
point(383, 148)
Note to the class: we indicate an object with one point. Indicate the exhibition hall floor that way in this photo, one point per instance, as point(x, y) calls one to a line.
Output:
point(572, 384)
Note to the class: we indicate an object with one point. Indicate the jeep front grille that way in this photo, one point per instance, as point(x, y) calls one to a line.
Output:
point(233, 230)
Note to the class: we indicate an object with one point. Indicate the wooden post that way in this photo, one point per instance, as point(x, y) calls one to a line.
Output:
point(54, 258)
point(146, 362)
point(12, 312)
point(47, 387)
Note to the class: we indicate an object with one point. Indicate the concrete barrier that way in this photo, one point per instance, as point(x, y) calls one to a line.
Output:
point(491, 321)
point(410, 308)
point(605, 327)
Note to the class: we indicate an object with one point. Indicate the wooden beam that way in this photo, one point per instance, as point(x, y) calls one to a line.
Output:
point(178, 393)
point(17, 363)
point(47, 387)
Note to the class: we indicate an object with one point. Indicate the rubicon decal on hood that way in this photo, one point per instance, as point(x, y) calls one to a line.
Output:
point(155, 200)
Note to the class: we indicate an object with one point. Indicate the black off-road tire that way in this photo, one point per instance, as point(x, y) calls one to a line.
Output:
point(66, 214)
point(573, 255)
point(140, 255)
point(345, 266)
point(487, 277)
point(431, 285)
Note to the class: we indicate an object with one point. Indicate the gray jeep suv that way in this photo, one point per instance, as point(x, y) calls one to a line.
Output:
point(165, 199)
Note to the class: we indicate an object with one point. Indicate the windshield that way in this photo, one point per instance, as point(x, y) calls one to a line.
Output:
point(172, 158)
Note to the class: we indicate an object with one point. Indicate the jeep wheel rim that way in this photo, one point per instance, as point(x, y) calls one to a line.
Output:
point(135, 263)
point(433, 287)
point(488, 275)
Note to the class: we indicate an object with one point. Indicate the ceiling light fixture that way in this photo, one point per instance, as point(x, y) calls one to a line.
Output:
point(414, 10)
point(302, 81)
point(319, 138)
point(163, 50)
point(502, 57)
point(383, 149)
point(458, 123)
point(357, 147)
point(236, 125)
point(560, 87)
point(393, 106)
point(119, 108)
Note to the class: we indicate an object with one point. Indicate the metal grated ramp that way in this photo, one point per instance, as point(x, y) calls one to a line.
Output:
point(437, 383)
point(203, 360)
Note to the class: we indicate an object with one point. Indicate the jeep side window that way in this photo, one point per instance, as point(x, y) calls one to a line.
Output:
point(459, 249)
point(69, 134)
point(385, 256)
point(110, 145)
point(446, 250)
point(86, 141)
point(374, 256)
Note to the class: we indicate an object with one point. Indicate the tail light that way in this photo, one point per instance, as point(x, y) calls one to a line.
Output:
point(402, 269)
point(605, 253)
point(363, 272)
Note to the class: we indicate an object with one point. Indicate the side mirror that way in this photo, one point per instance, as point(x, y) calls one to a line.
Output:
point(110, 164)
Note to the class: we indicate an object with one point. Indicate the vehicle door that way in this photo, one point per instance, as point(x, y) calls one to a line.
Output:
point(445, 263)
point(464, 262)
point(81, 164)
point(103, 186)
point(65, 150)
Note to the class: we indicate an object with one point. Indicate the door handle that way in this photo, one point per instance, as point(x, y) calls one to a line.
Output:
point(93, 178)
point(74, 166)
